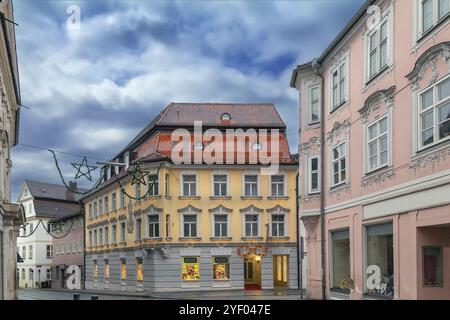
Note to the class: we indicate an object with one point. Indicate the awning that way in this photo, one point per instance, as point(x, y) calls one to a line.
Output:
point(19, 258)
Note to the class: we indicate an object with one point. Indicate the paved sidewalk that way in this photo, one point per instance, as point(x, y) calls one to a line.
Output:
point(61, 294)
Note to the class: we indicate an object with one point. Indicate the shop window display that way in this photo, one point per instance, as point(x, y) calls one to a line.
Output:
point(340, 265)
point(190, 269)
point(379, 260)
point(221, 268)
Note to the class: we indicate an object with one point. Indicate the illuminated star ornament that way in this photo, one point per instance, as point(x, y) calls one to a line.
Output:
point(83, 169)
point(138, 174)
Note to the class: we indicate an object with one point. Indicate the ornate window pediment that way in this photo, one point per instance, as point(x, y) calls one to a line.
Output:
point(251, 209)
point(220, 210)
point(189, 210)
point(429, 60)
point(375, 100)
point(278, 210)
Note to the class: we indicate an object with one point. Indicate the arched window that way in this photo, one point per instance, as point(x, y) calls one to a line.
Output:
point(225, 116)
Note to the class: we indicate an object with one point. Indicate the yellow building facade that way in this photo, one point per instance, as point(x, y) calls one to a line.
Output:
point(191, 227)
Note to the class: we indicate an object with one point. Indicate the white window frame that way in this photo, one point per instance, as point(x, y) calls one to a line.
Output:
point(252, 211)
point(158, 184)
point(367, 142)
point(183, 174)
point(310, 103)
point(220, 173)
point(341, 182)
point(285, 222)
point(189, 213)
point(436, 19)
point(367, 53)
point(113, 233)
point(434, 107)
point(310, 189)
point(258, 188)
point(281, 174)
point(338, 68)
point(220, 211)
point(147, 227)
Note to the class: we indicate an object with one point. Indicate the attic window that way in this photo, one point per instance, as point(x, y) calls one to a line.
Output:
point(225, 116)
point(44, 190)
point(198, 145)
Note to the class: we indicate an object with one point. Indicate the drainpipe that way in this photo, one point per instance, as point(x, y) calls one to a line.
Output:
point(316, 66)
point(299, 239)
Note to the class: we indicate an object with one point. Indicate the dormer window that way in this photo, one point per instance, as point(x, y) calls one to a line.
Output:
point(198, 145)
point(225, 116)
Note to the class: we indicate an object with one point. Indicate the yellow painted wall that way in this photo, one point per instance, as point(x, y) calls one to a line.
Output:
point(171, 203)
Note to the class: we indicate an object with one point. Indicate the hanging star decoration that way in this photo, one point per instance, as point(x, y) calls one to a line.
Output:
point(137, 174)
point(83, 169)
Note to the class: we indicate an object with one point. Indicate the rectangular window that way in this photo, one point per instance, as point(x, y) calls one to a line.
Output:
point(432, 266)
point(24, 252)
point(49, 251)
point(278, 225)
point(380, 260)
point(339, 86)
point(153, 185)
point(62, 248)
point(221, 268)
point(80, 245)
point(377, 52)
point(114, 234)
point(167, 225)
point(378, 144)
point(281, 269)
point(314, 114)
point(122, 199)
point(113, 201)
point(153, 226)
point(434, 113)
point(31, 228)
point(100, 207)
point(106, 235)
point(251, 185)
point(95, 209)
point(123, 269)
point(190, 269)
point(95, 271)
point(251, 225)
point(433, 12)
point(189, 225)
point(30, 248)
point(189, 185)
point(444, 8)
point(100, 236)
point(340, 263)
point(220, 225)
point(122, 232)
point(90, 238)
point(137, 190)
point(106, 204)
point(138, 229)
point(339, 164)
point(277, 185)
point(220, 185)
point(166, 184)
point(314, 178)
point(139, 270)
point(90, 211)
point(106, 269)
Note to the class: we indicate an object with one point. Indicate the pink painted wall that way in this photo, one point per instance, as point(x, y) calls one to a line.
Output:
point(407, 238)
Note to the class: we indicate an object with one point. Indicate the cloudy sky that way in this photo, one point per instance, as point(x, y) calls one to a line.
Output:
point(92, 90)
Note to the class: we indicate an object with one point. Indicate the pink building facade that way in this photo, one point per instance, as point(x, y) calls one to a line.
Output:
point(375, 155)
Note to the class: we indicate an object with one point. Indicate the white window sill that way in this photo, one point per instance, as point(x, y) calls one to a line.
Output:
point(221, 284)
point(190, 284)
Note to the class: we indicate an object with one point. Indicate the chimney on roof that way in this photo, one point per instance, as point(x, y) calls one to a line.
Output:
point(70, 195)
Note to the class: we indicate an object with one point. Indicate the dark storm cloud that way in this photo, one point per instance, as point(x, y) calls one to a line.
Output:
point(93, 89)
